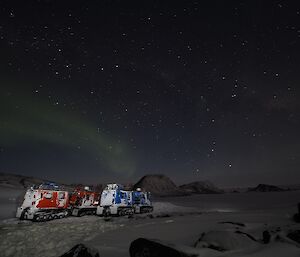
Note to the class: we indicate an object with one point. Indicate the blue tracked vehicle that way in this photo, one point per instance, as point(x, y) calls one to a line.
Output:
point(117, 201)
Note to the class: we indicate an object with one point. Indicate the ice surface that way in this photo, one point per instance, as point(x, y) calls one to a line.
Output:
point(238, 201)
point(180, 221)
point(51, 238)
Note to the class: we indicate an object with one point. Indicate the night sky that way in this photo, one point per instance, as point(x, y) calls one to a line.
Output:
point(99, 91)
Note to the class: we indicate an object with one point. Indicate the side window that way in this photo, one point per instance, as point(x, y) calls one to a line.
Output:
point(48, 195)
point(61, 195)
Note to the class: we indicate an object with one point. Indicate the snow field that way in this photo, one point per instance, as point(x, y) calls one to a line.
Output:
point(51, 238)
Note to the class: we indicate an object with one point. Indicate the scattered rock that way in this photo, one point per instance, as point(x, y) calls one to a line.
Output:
point(81, 250)
point(201, 187)
point(266, 237)
point(296, 218)
point(297, 215)
point(164, 215)
point(233, 223)
point(294, 235)
point(153, 248)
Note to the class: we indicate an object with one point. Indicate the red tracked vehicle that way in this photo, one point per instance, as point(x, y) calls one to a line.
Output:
point(48, 201)
point(44, 202)
point(83, 201)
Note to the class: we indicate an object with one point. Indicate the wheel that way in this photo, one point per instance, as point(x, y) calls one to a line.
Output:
point(106, 213)
point(36, 218)
point(24, 214)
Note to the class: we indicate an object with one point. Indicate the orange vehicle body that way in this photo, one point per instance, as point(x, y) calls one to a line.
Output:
point(84, 201)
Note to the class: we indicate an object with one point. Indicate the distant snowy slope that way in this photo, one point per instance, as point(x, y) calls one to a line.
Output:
point(8, 180)
point(18, 181)
point(201, 187)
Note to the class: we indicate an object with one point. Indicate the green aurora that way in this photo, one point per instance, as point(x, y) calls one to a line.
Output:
point(26, 118)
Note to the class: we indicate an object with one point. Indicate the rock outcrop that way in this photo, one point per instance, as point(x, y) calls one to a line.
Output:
point(201, 187)
point(81, 250)
point(147, 247)
point(159, 185)
point(266, 188)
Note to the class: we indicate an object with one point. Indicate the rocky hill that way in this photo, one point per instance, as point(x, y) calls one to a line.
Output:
point(18, 181)
point(8, 180)
point(159, 185)
point(266, 188)
point(201, 187)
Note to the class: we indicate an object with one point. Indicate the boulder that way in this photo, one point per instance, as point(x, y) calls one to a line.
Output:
point(297, 215)
point(155, 248)
point(294, 235)
point(81, 250)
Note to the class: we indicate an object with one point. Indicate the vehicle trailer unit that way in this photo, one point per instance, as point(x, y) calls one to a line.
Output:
point(141, 201)
point(83, 201)
point(117, 201)
point(44, 203)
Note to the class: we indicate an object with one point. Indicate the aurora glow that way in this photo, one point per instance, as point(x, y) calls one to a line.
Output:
point(27, 119)
point(102, 91)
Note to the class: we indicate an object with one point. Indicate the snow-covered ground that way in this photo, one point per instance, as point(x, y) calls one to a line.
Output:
point(179, 220)
point(10, 198)
point(232, 202)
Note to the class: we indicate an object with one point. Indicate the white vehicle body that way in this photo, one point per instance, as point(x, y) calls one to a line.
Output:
point(116, 201)
point(43, 204)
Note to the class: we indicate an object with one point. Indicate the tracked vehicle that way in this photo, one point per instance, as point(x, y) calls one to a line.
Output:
point(141, 201)
point(45, 202)
point(83, 201)
point(48, 201)
point(117, 201)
